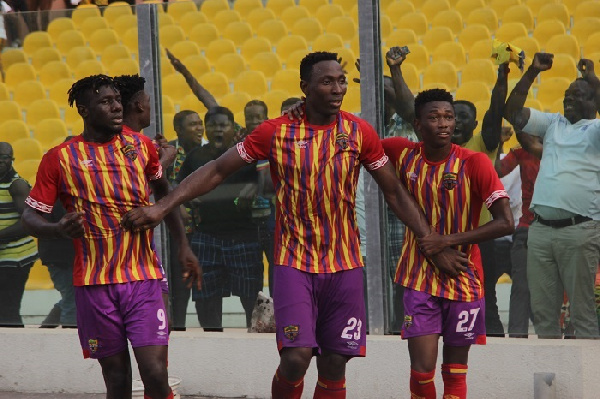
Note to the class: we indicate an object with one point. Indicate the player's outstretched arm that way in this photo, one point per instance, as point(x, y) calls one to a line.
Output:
point(198, 183)
point(199, 91)
point(405, 100)
point(491, 128)
point(69, 226)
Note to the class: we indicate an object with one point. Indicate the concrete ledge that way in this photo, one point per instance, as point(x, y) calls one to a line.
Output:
point(236, 363)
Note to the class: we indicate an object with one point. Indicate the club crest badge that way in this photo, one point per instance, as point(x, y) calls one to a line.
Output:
point(408, 321)
point(342, 139)
point(93, 344)
point(291, 331)
point(449, 181)
point(130, 152)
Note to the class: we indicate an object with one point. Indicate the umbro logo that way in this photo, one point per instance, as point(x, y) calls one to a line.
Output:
point(302, 144)
point(86, 162)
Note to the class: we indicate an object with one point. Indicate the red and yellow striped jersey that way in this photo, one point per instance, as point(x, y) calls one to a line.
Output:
point(103, 181)
point(451, 194)
point(315, 171)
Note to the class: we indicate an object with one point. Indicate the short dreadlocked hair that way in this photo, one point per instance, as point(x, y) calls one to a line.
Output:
point(307, 63)
point(79, 93)
point(129, 86)
point(427, 96)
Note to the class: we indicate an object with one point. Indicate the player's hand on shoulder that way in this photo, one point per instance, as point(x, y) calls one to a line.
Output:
point(71, 225)
point(296, 111)
point(144, 218)
point(451, 261)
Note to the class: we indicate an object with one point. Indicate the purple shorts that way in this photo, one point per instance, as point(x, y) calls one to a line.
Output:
point(460, 323)
point(321, 311)
point(108, 315)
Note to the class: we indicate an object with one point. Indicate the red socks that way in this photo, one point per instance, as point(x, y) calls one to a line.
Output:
point(421, 385)
point(284, 389)
point(170, 396)
point(455, 381)
point(326, 389)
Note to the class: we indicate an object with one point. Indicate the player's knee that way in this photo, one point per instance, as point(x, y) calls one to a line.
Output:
point(295, 362)
point(154, 373)
point(116, 378)
point(332, 366)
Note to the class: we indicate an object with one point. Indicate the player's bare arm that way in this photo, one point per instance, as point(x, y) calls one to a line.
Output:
point(491, 127)
point(192, 270)
point(198, 183)
point(450, 261)
point(69, 226)
point(501, 225)
point(515, 111)
point(405, 100)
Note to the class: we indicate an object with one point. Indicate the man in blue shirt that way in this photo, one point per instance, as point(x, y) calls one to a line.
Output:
point(564, 239)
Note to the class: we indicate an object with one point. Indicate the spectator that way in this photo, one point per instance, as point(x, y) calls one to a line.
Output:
point(317, 246)
point(527, 159)
point(564, 238)
point(18, 250)
point(4, 8)
point(225, 240)
point(41, 8)
point(18, 8)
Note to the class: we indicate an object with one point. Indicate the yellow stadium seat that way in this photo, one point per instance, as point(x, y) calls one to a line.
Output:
point(236, 102)
point(191, 102)
point(35, 41)
point(419, 56)
point(485, 16)
point(72, 117)
point(130, 39)
point(10, 110)
point(554, 12)
point(27, 169)
point(198, 65)
point(273, 30)
point(203, 34)
point(453, 52)
point(500, 6)
point(171, 34)
point(13, 130)
point(449, 19)
point(216, 83)
point(28, 91)
point(385, 25)
point(165, 20)
point(586, 9)
point(313, 5)
point(184, 49)
point(92, 24)
point(68, 40)
point(103, 38)
point(252, 82)
point(178, 9)
point(556, 107)
point(292, 14)
point(278, 6)
point(231, 65)
point(289, 44)
point(81, 13)
point(115, 52)
point(218, 48)
point(76, 128)
point(401, 37)
point(533, 103)
point(441, 72)
point(309, 28)
point(28, 148)
point(287, 80)
point(519, 13)
point(224, 18)
point(79, 54)
point(190, 19)
point(480, 50)
point(123, 23)
point(411, 76)
point(327, 11)
point(351, 101)
point(58, 90)
point(327, 41)
point(39, 110)
point(536, 5)
point(464, 7)
point(175, 86)
point(510, 31)
point(238, 32)
point(210, 8)
point(479, 70)
point(127, 66)
point(348, 58)
point(546, 29)
point(116, 10)
point(259, 15)
point(253, 46)
point(245, 7)
point(415, 21)
point(564, 44)
point(89, 68)
point(474, 33)
point(552, 89)
point(168, 106)
point(596, 58)
point(12, 56)
point(396, 10)
point(267, 63)
point(473, 91)
point(4, 92)
point(17, 73)
point(48, 131)
point(585, 27)
point(529, 45)
point(431, 8)
point(58, 26)
point(592, 44)
point(564, 66)
point(168, 130)
point(436, 36)
point(273, 99)
point(294, 58)
point(43, 56)
point(343, 26)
